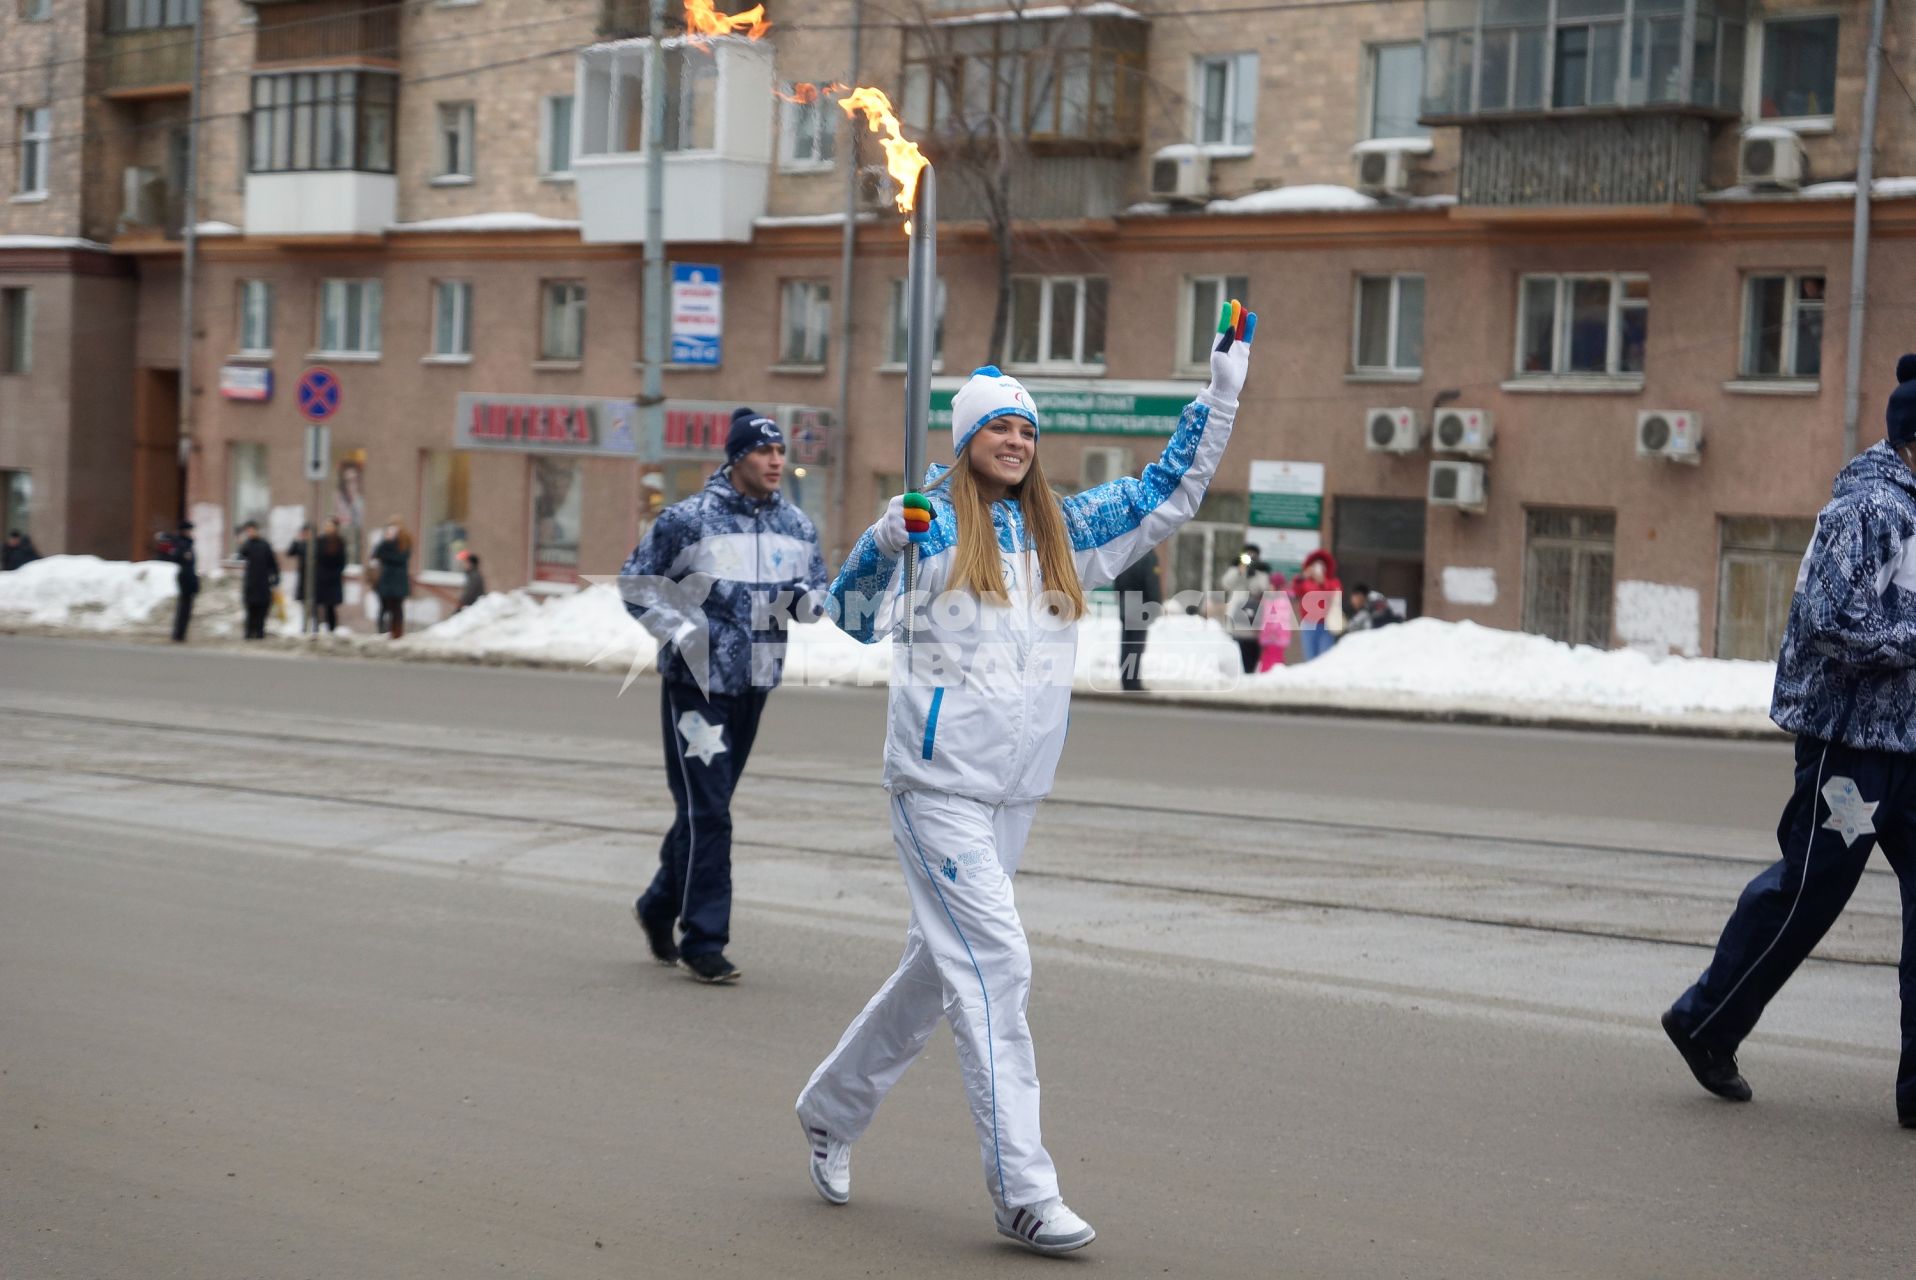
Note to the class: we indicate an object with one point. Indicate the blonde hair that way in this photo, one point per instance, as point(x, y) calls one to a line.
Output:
point(976, 567)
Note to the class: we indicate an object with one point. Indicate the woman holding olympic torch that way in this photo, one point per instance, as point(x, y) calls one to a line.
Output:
point(981, 685)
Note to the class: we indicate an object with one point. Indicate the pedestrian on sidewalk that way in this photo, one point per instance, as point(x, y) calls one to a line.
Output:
point(1367, 610)
point(1275, 625)
point(1315, 593)
point(1244, 585)
point(1138, 593)
point(474, 587)
point(177, 548)
point(980, 692)
point(261, 575)
point(329, 581)
point(392, 561)
point(19, 551)
point(1846, 687)
point(715, 581)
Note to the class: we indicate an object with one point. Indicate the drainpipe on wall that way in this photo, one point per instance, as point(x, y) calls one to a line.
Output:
point(190, 251)
point(841, 454)
point(1859, 235)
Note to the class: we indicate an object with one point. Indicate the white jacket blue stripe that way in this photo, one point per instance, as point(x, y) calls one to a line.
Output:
point(978, 708)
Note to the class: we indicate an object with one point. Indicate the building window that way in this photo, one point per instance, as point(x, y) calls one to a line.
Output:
point(455, 140)
point(349, 317)
point(256, 318)
point(555, 136)
point(249, 492)
point(35, 131)
point(1568, 562)
point(141, 15)
point(808, 127)
point(16, 330)
point(1204, 299)
point(1389, 334)
point(557, 503)
point(1396, 80)
point(1583, 325)
point(805, 321)
point(1064, 78)
point(1783, 326)
point(16, 501)
point(447, 475)
point(322, 120)
point(1224, 99)
point(35, 10)
point(1756, 577)
point(1799, 68)
point(1488, 56)
point(452, 319)
point(895, 353)
point(562, 331)
point(1057, 322)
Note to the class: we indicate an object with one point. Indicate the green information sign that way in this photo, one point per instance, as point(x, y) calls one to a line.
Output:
point(1101, 411)
point(1287, 495)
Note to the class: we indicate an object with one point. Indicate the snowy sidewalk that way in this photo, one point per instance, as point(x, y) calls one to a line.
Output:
point(1423, 669)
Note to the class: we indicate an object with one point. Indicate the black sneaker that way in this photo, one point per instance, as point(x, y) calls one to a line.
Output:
point(1714, 1070)
point(710, 967)
point(659, 938)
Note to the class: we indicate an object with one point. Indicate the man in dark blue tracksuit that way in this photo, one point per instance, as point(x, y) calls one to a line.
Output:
point(715, 581)
point(1846, 686)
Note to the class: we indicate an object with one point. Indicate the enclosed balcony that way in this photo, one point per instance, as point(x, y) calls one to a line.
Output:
point(320, 30)
point(146, 49)
point(718, 139)
point(1583, 102)
point(320, 154)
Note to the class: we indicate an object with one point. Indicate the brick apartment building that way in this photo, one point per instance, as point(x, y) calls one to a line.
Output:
point(1513, 256)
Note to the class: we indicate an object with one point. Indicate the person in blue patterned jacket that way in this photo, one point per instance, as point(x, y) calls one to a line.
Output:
point(1846, 687)
point(716, 580)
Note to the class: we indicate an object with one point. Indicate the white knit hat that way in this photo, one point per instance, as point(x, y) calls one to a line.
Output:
point(989, 393)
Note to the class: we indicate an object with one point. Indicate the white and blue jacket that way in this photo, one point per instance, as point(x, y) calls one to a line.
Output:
point(1847, 672)
point(980, 698)
point(765, 568)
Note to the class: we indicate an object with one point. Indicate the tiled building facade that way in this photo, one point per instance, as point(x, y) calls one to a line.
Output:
point(1550, 228)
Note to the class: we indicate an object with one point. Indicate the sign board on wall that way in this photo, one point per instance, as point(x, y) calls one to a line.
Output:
point(253, 382)
point(697, 313)
point(591, 425)
point(1287, 495)
point(1113, 407)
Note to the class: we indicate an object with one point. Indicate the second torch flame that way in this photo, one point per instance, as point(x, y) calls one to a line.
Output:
point(903, 160)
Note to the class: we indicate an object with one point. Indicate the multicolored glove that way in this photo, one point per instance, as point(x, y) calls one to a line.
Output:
point(1231, 357)
point(917, 509)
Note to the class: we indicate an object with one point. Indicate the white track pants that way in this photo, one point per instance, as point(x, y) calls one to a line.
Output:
point(965, 957)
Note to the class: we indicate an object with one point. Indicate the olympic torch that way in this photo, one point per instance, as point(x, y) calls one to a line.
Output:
point(921, 319)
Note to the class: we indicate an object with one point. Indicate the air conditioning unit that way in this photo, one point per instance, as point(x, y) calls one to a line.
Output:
point(1457, 484)
point(1770, 155)
point(877, 193)
point(1181, 173)
point(1392, 431)
point(1466, 433)
point(1675, 435)
point(1383, 173)
point(1103, 465)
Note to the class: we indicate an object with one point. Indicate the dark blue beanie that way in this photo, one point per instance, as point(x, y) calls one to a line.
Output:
point(1902, 404)
point(750, 430)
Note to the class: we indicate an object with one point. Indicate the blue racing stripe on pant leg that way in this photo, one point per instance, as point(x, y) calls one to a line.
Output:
point(931, 719)
point(991, 1064)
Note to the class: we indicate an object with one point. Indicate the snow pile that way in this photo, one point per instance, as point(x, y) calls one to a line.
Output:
point(1309, 198)
point(1460, 665)
point(87, 592)
point(506, 221)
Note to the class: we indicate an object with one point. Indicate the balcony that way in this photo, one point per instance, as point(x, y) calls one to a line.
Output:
point(154, 63)
point(153, 204)
point(1070, 85)
point(1054, 188)
point(316, 31)
point(718, 140)
point(1583, 102)
point(320, 154)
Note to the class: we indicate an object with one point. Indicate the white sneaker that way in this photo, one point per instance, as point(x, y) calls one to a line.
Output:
point(831, 1164)
point(1046, 1227)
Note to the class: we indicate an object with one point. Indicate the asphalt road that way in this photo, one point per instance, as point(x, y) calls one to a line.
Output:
point(322, 968)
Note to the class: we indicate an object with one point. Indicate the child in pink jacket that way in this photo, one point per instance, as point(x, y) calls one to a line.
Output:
point(1273, 626)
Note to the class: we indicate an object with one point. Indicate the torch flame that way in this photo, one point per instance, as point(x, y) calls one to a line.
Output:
point(701, 19)
point(903, 160)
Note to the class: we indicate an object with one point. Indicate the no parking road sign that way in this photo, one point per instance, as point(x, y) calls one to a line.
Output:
point(318, 393)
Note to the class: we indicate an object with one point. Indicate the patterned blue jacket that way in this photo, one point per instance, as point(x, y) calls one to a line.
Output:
point(716, 580)
point(1847, 672)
